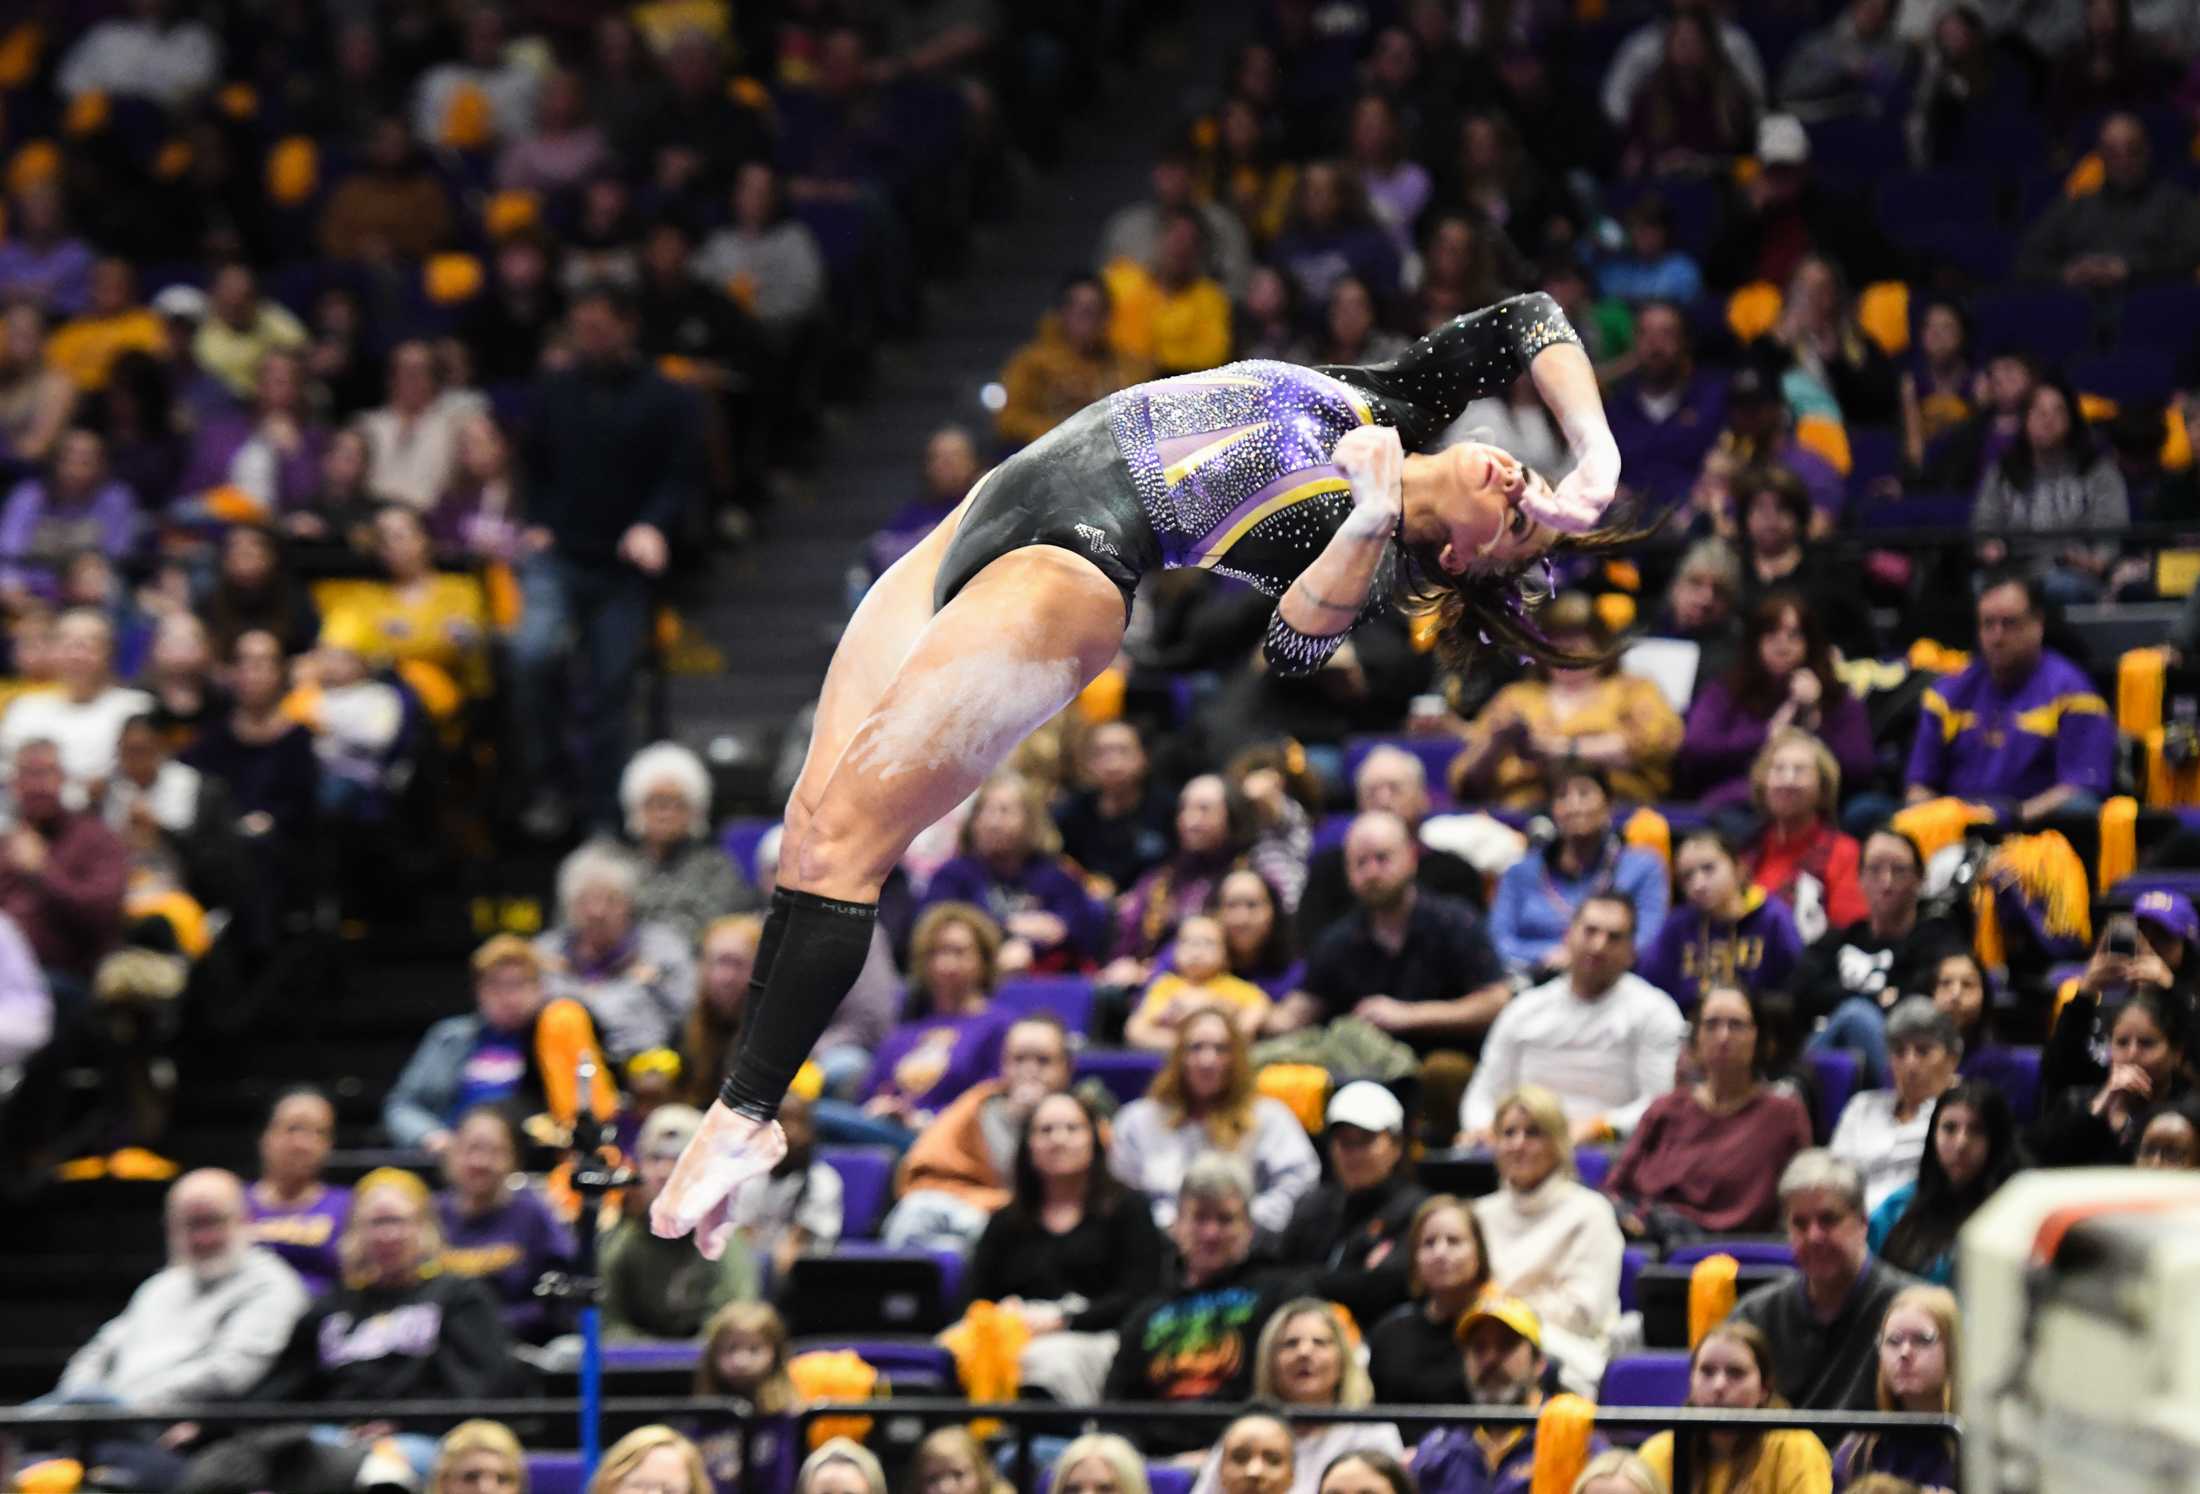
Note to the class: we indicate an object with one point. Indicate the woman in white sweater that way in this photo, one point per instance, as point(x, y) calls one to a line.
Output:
point(1553, 1243)
point(1201, 1101)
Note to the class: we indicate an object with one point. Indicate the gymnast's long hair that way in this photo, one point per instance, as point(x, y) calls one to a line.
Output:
point(1480, 612)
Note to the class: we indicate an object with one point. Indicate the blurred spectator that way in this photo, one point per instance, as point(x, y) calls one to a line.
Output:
point(1198, 978)
point(1736, 1367)
point(1070, 1252)
point(1723, 932)
point(35, 398)
point(1917, 1373)
point(687, 881)
point(1011, 865)
point(1650, 268)
point(2170, 1139)
point(259, 751)
point(392, 208)
point(1702, 606)
point(1267, 317)
point(2108, 66)
point(206, 1327)
point(2002, 399)
point(26, 1004)
point(412, 441)
point(2162, 934)
point(565, 148)
point(1166, 313)
point(951, 1457)
point(272, 450)
point(1258, 1455)
point(744, 1357)
point(1937, 384)
point(1693, 111)
point(1667, 413)
point(1778, 514)
point(2057, 480)
point(479, 514)
point(42, 264)
point(1134, 231)
point(111, 323)
point(62, 870)
point(1970, 1152)
point(1852, 64)
point(1502, 1347)
point(636, 977)
point(432, 625)
point(1213, 827)
point(1195, 1342)
point(484, 95)
point(2149, 1037)
point(1540, 896)
point(1248, 170)
point(951, 469)
point(1971, 83)
point(75, 506)
point(290, 1210)
point(796, 1209)
point(613, 466)
point(655, 1288)
point(507, 326)
point(1398, 187)
point(1068, 366)
point(841, 1467)
point(254, 592)
point(1466, 262)
point(83, 718)
point(1782, 214)
point(1116, 823)
point(1392, 780)
point(515, 1049)
point(399, 1328)
point(1350, 333)
point(1648, 46)
point(149, 54)
point(725, 965)
point(1838, 372)
point(1799, 855)
point(946, 1040)
point(1351, 1231)
point(692, 132)
point(2137, 227)
point(143, 421)
point(2023, 728)
point(962, 1167)
point(1594, 714)
point(479, 1457)
point(1503, 194)
point(1306, 1360)
point(1704, 1157)
point(495, 1231)
point(1204, 1100)
point(1413, 1353)
point(1256, 933)
point(651, 1458)
point(1602, 1039)
point(1785, 683)
point(1411, 964)
point(1100, 1463)
point(1883, 1132)
point(179, 675)
point(241, 328)
point(1760, 438)
point(1855, 972)
point(1332, 233)
point(768, 262)
point(1553, 1243)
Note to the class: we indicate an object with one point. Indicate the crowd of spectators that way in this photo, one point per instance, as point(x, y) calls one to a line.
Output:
point(1661, 951)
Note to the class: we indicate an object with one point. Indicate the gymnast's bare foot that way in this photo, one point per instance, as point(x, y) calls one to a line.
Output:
point(729, 1150)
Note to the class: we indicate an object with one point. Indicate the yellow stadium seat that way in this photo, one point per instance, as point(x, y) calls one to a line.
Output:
point(1883, 311)
point(293, 170)
point(452, 278)
point(1753, 310)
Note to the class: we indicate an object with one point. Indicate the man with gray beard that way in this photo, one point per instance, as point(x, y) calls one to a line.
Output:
point(1502, 1341)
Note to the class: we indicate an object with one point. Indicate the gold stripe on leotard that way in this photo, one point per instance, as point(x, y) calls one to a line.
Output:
point(1185, 466)
point(1282, 500)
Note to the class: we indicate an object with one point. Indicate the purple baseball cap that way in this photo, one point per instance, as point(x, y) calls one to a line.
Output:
point(2168, 910)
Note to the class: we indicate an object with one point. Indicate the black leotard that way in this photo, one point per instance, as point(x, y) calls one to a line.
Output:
point(1230, 470)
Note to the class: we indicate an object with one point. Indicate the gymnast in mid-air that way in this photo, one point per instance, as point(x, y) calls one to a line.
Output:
point(1310, 484)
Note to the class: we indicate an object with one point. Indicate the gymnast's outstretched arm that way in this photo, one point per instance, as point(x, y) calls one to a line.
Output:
point(1322, 605)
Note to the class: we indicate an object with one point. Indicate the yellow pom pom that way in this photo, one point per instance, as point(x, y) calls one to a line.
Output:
point(19, 53)
point(239, 100)
point(293, 170)
point(1710, 1294)
point(452, 278)
point(87, 114)
point(468, 121)
point(1884, 313)
point(1752, 311)
point(2086, 177)
point(34, 165)
point(511, 211)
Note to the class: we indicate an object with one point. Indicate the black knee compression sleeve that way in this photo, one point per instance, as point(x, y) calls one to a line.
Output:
point(820, 951)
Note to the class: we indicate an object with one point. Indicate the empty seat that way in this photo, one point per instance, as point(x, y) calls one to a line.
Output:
point(1747, 1250)
point(866, 1186)
point(2161, 316)
point(739, 840)
point(2013, 1071)
point(1836, 1070)
point(1655, 1378)
point(1068, 998)
point(1127, 1072)
point(556, 1473)
point(2046, 321)
point(1631, 1261)
point(2139, 375)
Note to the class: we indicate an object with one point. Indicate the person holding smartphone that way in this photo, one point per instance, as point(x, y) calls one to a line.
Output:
point(2150, 948)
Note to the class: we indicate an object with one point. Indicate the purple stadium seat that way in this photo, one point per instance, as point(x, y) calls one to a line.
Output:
point(1853, 149)
point(1067, 997)
point(2130, 375)
point(1914, 199)
point(2161, 316)
point(663, 1354)
point(1631, 1261)
point(740, 838)
point(908, 1362)
point(555, 1473)
point(1747, 1252)
point(1650, 1378)
point(1873, 454)
point(866, 1183)
point(2185, 882)
point(1168, 1478)
point(2047, 321)
point(1329, 831)
point(1914, 511)
point(1836, 1070)
point(1594, 1164)
point(1127, 1072)
point(2016, 1073)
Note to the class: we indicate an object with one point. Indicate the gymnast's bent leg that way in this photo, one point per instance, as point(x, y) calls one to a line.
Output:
point(1007, 653)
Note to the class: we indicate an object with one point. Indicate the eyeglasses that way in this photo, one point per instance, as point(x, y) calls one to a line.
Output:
point(1923, 1338)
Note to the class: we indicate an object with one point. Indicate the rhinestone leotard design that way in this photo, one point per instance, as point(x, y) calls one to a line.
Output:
point(1233, 467)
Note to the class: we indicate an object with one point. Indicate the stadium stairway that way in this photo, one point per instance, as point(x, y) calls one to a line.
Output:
point(775, 608)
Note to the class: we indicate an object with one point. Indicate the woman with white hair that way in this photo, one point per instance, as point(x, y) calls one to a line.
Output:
point(686, 880)
point(636, 978)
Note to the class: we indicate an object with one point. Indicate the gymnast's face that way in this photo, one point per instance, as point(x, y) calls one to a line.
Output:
point(1478, 505)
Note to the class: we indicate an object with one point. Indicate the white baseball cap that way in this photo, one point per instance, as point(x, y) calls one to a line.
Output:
point(1368, 1105)
point(1782, 141)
